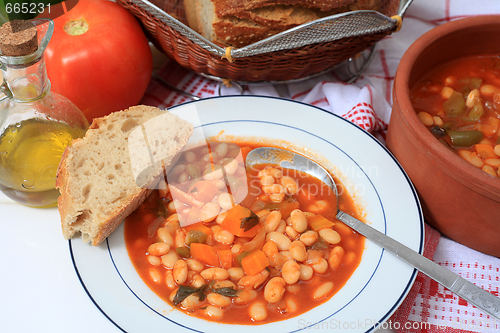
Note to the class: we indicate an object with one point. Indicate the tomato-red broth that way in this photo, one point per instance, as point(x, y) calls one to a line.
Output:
point(141, 232)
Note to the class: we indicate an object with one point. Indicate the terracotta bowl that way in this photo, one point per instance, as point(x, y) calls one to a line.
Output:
point(458, 199)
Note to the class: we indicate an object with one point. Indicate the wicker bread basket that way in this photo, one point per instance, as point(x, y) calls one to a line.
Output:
point(294, 54)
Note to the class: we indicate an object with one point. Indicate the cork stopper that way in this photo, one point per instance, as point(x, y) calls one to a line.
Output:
point(18, 38)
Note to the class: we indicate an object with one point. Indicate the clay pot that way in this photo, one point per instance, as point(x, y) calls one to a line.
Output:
point(458, 199)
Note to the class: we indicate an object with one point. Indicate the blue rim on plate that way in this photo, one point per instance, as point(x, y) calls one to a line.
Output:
point(390, 309)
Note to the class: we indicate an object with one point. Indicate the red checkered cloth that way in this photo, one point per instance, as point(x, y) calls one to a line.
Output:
point(429, 307)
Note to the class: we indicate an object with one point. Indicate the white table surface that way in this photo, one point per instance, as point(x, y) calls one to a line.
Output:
point(39, 288)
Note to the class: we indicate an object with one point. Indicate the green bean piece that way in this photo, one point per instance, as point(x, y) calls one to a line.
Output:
point(447, 126)
point(477, 111)
point(455, 105)
point(471, 83)
point(498, 141)
point(465, 138)
point(193, 171)
point(182, 251)
point(195, 236)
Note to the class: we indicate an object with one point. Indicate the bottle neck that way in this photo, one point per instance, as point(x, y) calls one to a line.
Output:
point(27, 82)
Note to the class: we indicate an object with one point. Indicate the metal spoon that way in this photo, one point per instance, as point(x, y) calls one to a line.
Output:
point(456, 284)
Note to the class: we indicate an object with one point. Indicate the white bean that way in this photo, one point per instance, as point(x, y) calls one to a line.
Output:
point(323, 290)
point(221, 149)
point(245, 296)
point(298, 251)
point(281, 227)
point(194, 265)
point(155, 275)
point(272, 221)
point(153, 260)
point(190, 302)
point(169, 280)
point(218, 300)
point(335, 257)
point(291, 305)
point(330, 235)
point(226, 201)
point(158, 249)
point(290, 184)
point(258, 311)
point(214, 312)
point(224, 237)
point(282, 242)
point(306, 273)
point(223, 284)
point(165, 236)
point(180, 271)
point(270, 171)
point(231, 167)
point(197, 281)
point(291, 232)
point(209, 211)
point(309, 237)
point(298, 220)
point(236, 273)
point(267, 180)
point(274, 290)
point(290, 271)
point(169, 259)
point(277, 198)
point(214, 273)
point(320, 266)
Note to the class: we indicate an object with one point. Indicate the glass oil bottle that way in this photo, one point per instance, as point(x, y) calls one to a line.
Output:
point(36, 125)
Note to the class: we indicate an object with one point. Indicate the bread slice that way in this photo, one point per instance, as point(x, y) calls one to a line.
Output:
point(239, 23)
point(106, 175)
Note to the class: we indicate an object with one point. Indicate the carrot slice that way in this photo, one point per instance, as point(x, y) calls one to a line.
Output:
point(254, 262)
point(319, 222)
point(485, 150)
point(239, 216)
point(205, 253)
point(203, 190)
point(225, 258)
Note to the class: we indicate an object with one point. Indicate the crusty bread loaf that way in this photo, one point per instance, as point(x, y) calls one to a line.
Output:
point(239, 23)
point(98, 184)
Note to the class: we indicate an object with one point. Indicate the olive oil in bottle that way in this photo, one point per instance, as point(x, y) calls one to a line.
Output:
point(36, 125)
point(30, 152)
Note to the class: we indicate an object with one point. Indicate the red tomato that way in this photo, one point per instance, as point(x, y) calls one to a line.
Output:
point(105, 69)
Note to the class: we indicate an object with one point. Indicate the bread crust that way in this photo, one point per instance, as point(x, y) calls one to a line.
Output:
point(239, 23)
point(238, 7)
point(95, 176)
